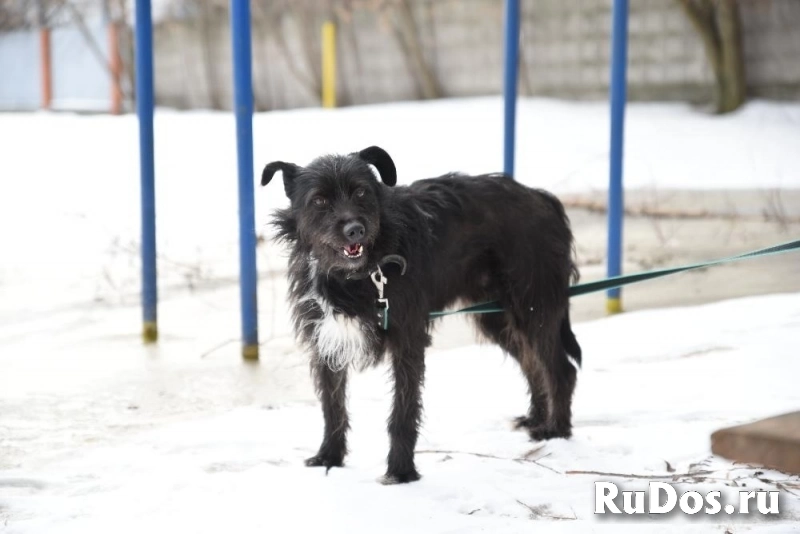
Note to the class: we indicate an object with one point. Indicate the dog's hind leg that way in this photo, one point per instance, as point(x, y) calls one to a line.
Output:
point(332, 391)
point(558, 376)
point(539, 410)
point(496, 328)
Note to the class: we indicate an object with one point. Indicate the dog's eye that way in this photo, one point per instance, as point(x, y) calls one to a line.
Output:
point(360, 192)
point(320, 202)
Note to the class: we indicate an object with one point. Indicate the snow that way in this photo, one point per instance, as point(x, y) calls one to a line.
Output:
point(101, 434)
point(118, 438)
point(79, 196)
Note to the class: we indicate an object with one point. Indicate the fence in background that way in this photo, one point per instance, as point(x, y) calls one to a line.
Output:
point(455, 48)
point(386, 52)
point(20, 86)
point(63, 68)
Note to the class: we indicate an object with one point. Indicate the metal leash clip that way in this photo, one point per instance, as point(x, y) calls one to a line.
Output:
point(382, 307)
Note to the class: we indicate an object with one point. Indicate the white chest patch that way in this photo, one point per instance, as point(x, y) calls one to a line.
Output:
point(341, 340)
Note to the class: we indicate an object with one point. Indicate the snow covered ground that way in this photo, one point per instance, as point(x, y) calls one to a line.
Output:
point(70, 183)
point(98, 433)
point(111, 437)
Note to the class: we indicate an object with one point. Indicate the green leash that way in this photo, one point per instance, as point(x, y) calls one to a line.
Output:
point(627, 279)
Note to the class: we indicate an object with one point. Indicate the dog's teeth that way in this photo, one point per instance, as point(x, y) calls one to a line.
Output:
point(355, 254)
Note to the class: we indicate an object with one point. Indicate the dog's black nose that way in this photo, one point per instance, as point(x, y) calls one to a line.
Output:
point(354, 231)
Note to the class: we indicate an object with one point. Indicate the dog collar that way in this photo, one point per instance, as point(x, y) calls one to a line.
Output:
point(397, 259)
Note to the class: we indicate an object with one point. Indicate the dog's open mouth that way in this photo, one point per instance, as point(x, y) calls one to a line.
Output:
point(356, 250)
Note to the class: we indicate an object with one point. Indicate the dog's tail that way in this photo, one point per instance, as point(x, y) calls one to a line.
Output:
point(568, 340)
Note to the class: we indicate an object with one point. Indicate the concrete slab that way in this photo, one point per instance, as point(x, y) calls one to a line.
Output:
point(773, 442)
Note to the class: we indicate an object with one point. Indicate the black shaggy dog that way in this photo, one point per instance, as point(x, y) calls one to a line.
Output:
point(360, 247)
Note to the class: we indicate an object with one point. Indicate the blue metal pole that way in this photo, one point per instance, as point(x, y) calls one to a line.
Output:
point(243, 107)
point(144, 110)
point(510, 83)
point(619, 60)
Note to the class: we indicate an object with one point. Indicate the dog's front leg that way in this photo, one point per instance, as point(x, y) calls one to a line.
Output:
point(408, 367)
point(332, 390)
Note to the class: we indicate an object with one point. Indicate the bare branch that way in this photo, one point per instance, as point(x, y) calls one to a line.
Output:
point(671, 476)
point(407, 34)
point(701, 15)
point(482, 455)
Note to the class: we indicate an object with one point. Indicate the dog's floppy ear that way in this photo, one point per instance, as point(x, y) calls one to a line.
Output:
point(382, 161)
point(289, 173)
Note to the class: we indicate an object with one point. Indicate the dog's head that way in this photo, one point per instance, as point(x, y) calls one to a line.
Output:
point(335, 205)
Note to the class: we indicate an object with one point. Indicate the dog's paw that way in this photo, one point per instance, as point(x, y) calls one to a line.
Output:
point(542, 433)
point(526, 422)
point(324, 461)
point(404, 478)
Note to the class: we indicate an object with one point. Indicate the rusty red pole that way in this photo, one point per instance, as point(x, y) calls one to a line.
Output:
point(46, 67)
point(115, 65)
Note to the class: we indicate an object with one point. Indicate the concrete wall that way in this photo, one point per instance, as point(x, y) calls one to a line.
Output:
point(772, 47)
point(564, 53)
point(194, 64)
point(567, 46)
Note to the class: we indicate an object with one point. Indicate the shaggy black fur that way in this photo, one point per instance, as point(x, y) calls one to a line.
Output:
point(466, 239)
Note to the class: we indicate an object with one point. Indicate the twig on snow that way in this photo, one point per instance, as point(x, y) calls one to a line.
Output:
point(673, 476)
point(490, 456)
point(541, 511)
point(217, 347)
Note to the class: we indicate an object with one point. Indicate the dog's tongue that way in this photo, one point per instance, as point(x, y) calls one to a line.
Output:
point(352, 249)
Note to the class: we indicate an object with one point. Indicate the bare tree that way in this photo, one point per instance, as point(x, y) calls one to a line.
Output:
point(407, 32)
point(302, 60)
point(718, 22)
point(209, 17)
point(15, 15)
point(400, 18)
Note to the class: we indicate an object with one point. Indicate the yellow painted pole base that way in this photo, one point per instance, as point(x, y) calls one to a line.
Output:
point(613, 306)
point(328, 65)
point(150, 332)
point(250, 352)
